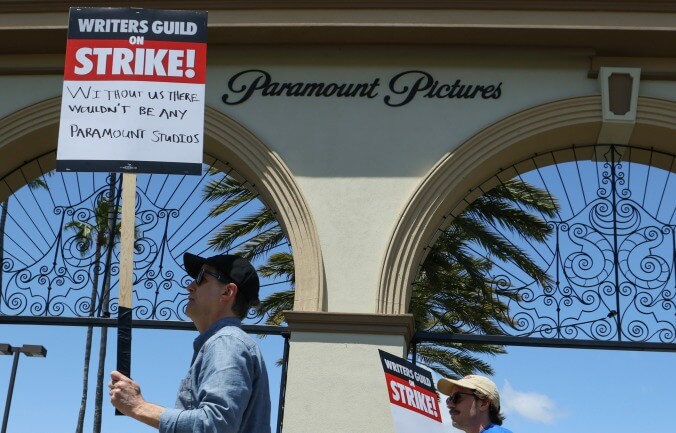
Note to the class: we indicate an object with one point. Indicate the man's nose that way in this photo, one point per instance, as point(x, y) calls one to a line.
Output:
point(192, 286)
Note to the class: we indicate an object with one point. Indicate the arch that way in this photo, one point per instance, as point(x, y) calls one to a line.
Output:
point(539, 129)
point(28, 133)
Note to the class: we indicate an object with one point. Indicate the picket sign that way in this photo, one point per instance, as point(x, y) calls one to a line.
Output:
point(132, 102)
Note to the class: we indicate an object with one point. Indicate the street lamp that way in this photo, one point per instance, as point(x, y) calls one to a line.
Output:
point(31, 350)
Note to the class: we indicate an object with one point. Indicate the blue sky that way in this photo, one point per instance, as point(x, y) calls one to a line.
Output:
point(543, 389)
point(582, 390)
point(53, 384)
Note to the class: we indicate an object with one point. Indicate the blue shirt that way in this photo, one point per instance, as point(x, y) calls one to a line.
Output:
point(226, 389)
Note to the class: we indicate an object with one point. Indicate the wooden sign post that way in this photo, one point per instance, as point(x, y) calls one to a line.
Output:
point(127, 230)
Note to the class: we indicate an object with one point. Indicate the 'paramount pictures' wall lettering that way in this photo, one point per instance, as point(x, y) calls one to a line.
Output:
point(401, 88)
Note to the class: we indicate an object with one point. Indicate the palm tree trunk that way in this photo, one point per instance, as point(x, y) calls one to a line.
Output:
point(88, 344)
point(85, 381)
point(103, 345)
point(99, 380)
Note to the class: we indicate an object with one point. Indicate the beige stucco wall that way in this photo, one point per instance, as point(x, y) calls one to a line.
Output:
point(358, 160)
point(20, 92)
point(340, 377)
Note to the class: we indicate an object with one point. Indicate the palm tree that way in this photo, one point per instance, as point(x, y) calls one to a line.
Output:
point(262, 233)
point(452, 292)
point(34, 184)
point(96, 235)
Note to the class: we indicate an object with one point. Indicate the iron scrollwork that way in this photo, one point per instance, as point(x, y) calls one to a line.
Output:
point(612, 272)
point(70, 270)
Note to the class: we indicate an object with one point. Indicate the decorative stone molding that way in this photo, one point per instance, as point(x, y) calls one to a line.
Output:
point(536, 130)
point(351, 323)
point(229, 141)
point(652, 68)
point(619, 97)
point(545, 5)
point(25, 135)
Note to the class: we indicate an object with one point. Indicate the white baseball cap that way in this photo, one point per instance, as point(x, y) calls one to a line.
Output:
point(480, 383)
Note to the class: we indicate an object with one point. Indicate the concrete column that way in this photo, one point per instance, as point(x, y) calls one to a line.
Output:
point(335, 379)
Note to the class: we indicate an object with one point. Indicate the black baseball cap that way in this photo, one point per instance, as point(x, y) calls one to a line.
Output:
point(236, 268)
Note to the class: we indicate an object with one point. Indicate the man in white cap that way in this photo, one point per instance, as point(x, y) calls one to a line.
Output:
point(474, 404)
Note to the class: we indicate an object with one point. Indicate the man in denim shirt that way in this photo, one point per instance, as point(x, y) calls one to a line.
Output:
point(226, 389)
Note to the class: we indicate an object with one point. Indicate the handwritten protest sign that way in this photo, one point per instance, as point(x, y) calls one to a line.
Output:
point(132, 102)
point(413, 398)
point(133, 91)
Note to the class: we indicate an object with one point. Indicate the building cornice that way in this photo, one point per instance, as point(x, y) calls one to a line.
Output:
point(610, 28)
point(33, 6)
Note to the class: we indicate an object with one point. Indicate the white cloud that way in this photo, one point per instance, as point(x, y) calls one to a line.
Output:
point(530, 405)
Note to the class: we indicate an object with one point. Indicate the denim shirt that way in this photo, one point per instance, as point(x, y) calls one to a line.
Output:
point(226, 389)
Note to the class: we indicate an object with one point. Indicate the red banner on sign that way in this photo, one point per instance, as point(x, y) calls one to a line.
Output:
point(119, 60)
point(406, 394)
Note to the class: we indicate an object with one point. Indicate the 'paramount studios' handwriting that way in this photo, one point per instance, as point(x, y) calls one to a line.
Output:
point(401, 89)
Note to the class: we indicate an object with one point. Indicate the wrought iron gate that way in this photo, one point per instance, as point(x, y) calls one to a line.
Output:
point(60, 254)
point(611, 255)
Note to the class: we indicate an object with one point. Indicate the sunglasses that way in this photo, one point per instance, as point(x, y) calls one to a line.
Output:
point(219, 277)
point(456, 397)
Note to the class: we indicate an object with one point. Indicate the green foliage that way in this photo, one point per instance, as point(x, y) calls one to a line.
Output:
point(94, 235)
point(453, 292)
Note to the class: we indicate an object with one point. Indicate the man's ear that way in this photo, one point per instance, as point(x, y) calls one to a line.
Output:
point(230, 291)
point(484, 404)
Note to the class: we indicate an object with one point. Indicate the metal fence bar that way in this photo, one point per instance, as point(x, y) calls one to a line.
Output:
point(282, 384)
point(103, 322)
point(505, 340)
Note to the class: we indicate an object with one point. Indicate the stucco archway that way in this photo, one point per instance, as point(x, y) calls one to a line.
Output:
point(536, 130)
point(28, 133)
